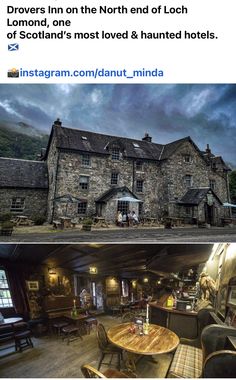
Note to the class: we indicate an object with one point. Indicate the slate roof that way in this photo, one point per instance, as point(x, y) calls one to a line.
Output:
point(85, 141)
point(195, 196)
point(113, 191)
point(23, 173)
point(91, 142)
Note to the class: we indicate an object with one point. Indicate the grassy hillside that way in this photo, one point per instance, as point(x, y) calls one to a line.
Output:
point(19, 145)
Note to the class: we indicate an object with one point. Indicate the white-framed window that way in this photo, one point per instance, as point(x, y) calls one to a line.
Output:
point(17, 204)
point(86, 159)
point(115, 154)
point(114, 178)
point(188, 180)
point(84, 182)
point(187, 158)
point(82, 208)
point(139, 186)
point(5, 294)
point(139, 166)
point(212, 184)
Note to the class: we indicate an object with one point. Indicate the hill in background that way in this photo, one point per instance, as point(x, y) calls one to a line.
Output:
point(21, 141)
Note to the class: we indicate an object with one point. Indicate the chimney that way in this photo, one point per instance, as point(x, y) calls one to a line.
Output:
point(57, 123)
point(147, 137)
point(208, 150)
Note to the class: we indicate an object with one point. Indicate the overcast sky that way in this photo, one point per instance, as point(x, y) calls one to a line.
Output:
point(207, 113)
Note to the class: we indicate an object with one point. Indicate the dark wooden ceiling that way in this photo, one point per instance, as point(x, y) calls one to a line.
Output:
point(110, 259)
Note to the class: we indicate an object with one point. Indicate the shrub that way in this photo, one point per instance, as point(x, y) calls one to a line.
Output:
point(5, 217)
point(7, 224)
point(87, 222)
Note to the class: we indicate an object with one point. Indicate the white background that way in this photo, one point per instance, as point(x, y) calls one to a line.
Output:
point(183, 61)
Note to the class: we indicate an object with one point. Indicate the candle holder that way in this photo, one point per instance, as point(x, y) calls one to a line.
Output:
point(74, 312)
point(146, 327)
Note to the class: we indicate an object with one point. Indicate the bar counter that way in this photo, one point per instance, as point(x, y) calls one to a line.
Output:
point(183, 323)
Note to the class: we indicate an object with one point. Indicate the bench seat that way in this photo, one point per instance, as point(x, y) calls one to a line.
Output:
point(187, 362)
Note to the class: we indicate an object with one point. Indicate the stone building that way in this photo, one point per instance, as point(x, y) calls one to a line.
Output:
point(95, 174)
point(23, 187)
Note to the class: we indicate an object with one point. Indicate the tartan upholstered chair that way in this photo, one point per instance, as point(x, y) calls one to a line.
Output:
point(212, 360)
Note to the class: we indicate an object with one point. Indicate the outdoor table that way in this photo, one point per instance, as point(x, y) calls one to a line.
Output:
point(158, 341)
point(149, 221)
point(21, 220)
point(100, 222)
point(65, 221)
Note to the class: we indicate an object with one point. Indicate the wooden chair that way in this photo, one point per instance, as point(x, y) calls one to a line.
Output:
point(89, 372)
point(107, 348)
point(128, 317)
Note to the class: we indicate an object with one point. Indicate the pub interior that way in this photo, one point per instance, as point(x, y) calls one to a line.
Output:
point(118, 310)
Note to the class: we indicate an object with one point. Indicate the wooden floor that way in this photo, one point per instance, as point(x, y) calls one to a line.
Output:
point(51, 357)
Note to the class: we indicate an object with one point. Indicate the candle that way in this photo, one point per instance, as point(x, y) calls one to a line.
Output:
point(147, 316)
point(74, 303)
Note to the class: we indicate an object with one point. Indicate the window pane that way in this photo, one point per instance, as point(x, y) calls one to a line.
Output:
point(5, 295)
point(17, 204)
point(84, 182)
point(114, 178)
point(82, 207)
point(115, 154)
point(139, 186)
point(86, 159)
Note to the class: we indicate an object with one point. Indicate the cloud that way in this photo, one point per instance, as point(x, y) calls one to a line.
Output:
point(206, 112)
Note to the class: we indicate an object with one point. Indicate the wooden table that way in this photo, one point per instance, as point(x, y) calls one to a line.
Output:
point(100, 222)
point(78, 320)
point(150, 221)
point(158, 341)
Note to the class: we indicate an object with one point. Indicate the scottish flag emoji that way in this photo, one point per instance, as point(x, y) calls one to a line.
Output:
point(13, 47)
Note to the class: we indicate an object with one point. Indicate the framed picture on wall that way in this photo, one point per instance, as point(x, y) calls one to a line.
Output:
point(33, 286)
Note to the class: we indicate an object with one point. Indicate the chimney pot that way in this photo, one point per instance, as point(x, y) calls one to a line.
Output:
point(147, 137)
point(58, 122)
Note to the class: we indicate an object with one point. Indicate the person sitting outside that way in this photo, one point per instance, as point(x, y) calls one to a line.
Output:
point(124, 219)
point(119, 219)
point(130, 219)
point(135, 218)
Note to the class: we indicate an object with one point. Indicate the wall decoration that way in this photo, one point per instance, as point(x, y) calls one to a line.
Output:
point(33, 286)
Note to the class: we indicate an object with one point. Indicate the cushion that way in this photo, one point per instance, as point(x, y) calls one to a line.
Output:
point(187, 362)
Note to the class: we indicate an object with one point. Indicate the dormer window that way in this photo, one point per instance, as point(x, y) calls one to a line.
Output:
point(115, 154)
point(187, 158)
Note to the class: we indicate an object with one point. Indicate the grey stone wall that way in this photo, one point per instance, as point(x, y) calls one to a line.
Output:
point(175, 169)
point(52, 174)
point(70, 168)
point(35, 201)
point(163, 182)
